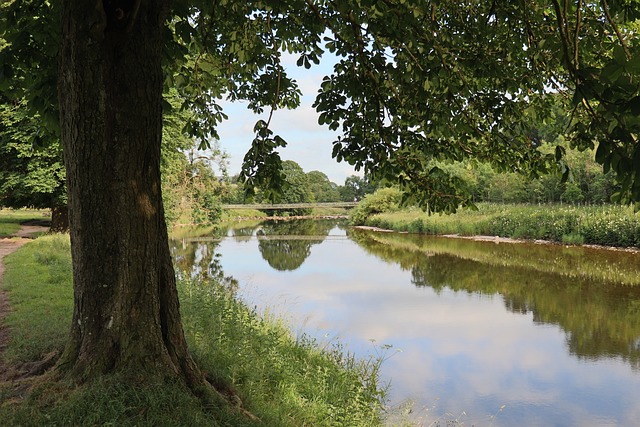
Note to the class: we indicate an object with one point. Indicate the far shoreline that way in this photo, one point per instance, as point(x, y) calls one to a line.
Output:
point(498, 239)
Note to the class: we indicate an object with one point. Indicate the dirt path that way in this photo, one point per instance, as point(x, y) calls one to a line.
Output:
point(7, 246)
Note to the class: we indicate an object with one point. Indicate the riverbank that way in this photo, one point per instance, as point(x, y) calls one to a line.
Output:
point(281, 379)
point(604, 226)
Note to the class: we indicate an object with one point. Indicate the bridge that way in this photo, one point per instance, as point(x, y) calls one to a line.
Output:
point(287, 206)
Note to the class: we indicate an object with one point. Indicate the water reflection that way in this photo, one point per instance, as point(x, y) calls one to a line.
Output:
point(289, 253)
point(199, 260)
point(551, 332)
point(600, 318)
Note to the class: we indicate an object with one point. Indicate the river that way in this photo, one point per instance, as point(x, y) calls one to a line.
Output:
point(475, 333)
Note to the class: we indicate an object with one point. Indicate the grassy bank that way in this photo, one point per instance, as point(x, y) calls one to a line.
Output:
point(598, 225)
point(10, 219)
point(282, 380)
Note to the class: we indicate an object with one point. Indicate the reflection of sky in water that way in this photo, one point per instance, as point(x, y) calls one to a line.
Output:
point(453, 352)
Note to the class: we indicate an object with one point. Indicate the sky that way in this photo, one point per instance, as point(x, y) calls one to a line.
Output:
point(309, 144)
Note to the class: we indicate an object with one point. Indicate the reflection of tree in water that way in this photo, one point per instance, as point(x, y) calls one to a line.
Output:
point(289, 254)
point(600, 319)
point(199, 260)
point(244, 234)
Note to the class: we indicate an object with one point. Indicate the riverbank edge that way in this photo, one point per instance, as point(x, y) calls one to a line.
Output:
point(599, 226)
point(498, 239)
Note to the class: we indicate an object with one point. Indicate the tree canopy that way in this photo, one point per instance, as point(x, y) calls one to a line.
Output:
point(413, 80)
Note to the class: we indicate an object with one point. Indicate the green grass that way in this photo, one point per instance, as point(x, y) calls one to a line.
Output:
point(285, 381)
point(329, 211)
point(37, 278)
point(232, 214)
point(10, 219)
point(607, 225)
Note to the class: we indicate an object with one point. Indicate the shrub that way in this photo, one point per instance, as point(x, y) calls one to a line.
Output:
point(383, 200)
point(573, 239)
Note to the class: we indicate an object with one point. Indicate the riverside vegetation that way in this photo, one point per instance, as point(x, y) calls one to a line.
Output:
point(281, 379)
point(607, 225)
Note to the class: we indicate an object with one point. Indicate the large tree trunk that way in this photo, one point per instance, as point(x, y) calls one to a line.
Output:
point(126, 315)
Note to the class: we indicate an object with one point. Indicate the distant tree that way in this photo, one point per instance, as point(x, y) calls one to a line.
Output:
point(355, 188)
point(32, 172)
point(572, 194)
point(322, 188)
point(296, 189)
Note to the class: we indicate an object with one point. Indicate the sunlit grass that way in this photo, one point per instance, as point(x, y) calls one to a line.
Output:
point(10, 219)
point(290, 381)
point(232, 214)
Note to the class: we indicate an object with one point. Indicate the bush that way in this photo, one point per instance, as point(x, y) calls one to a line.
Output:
point(383, 200)
point(573, 239)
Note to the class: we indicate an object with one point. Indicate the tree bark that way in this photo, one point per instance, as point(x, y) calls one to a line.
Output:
point(59, 219)
point(126, 313)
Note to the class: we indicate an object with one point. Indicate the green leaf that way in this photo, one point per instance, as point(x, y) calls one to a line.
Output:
point(602, 153)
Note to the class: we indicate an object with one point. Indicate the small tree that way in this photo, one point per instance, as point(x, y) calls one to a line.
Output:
point(572, 194)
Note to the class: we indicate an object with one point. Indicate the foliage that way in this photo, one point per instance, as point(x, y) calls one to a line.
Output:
point(30, 174)
point(322, 188)
point(296, 189)
point(607, 225)
point(464, 88)
point(31, 167)
point(587, 183)
point(383, 200)
point(189, 185)
point(283, 380)
point(355, 188)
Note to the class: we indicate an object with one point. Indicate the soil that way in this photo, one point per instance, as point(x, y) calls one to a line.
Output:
point(7, 245)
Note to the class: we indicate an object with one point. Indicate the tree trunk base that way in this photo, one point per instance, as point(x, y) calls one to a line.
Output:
point(59, 219)
point(46, 378)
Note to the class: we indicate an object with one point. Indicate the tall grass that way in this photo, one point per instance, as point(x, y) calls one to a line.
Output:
point(290, 381)
point(284, 381)
point(606, 225)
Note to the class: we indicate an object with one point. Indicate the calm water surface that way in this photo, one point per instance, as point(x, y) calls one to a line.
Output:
point(480, 332)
